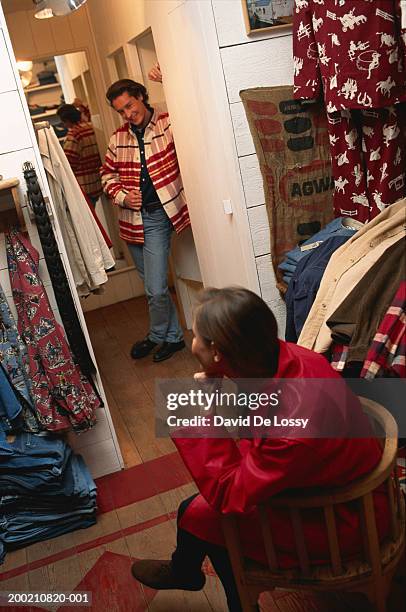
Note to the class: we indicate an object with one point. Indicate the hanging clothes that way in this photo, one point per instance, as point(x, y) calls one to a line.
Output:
point(368, 157)
point(355, 321)
point(63, 398)
point(347, 266)
point(10, 407)
point(303, 287)
point(14, 359)
point(352, 53)
point(56, 270)
point(88, 254)
point(387, 353)
point(338, 227)
point(99, 224)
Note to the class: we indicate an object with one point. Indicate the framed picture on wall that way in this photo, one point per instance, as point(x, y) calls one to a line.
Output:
point(267, 15)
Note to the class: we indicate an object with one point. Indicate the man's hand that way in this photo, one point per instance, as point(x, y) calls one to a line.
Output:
point(155, 74)
point(133, 200)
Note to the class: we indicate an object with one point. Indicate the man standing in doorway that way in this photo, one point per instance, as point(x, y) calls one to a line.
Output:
point(141, 176)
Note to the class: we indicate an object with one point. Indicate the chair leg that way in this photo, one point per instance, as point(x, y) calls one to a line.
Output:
point(378, 597)
point(380, 603)
point(246, 601)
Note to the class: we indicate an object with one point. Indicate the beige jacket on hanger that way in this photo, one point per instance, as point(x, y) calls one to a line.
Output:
point(345, 269)
point(88, 254)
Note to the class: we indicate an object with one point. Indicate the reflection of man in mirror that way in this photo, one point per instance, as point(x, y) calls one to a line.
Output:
point(141, 176)
point(84, 110)
point(81, 149)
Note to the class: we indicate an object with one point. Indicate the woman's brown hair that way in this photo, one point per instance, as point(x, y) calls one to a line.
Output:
point(241, 327)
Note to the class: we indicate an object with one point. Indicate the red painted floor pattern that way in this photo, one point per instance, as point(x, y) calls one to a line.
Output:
point(141, 482)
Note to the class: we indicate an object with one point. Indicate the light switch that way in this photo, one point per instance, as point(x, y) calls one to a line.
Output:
point(227, 206)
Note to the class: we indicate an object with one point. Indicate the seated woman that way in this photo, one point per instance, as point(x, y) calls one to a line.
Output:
point(235, 336)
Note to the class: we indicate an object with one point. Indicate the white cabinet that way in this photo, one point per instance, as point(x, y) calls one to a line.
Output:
point(13, 126)
point(7, 81)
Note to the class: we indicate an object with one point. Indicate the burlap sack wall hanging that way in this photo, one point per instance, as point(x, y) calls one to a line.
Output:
point(292, 144)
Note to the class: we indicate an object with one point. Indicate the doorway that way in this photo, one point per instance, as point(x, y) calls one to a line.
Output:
point(117, 318)
point(134, 60)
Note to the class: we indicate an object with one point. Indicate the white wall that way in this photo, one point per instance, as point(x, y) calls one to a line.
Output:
point(77, 63)
point(262, 60)
point(65, 78)
point(18, 145)
point(207, 58)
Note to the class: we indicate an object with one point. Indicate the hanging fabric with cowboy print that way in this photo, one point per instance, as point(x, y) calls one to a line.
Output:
point(63, 397)
point(352, 52)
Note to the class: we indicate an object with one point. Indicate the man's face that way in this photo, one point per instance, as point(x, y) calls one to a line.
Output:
point(130, 108)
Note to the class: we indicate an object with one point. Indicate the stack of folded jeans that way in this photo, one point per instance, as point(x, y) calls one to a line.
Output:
point(342, 226)
point(45, 491)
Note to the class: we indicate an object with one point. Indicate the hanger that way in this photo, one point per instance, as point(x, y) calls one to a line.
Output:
point(41, 125)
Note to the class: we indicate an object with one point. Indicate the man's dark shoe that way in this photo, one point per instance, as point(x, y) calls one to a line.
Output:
point(142, 348)
point(158, 574)
point(166, 350)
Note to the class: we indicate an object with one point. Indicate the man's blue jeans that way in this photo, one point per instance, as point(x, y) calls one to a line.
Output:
point(151, 261)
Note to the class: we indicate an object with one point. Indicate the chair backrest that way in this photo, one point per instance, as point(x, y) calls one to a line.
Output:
point(359, 491)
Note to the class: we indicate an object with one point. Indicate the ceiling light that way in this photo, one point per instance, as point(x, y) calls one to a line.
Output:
point(24, 66)
point(56, 8)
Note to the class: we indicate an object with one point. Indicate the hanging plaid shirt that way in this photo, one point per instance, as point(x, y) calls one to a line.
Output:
point(338, 356)
point(121, 173)
point(402, 469)
point(387, 354)
point(81, 149)
point(63, 398)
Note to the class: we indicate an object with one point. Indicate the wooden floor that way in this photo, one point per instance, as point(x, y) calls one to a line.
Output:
point(99, 559)
point(130, 384)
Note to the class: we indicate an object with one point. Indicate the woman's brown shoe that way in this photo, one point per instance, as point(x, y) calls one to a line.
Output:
point(158, 574)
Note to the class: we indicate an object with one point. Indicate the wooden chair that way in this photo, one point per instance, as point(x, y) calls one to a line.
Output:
point(371, 573)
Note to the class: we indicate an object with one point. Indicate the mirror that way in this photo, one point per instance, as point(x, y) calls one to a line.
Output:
point(61, 79)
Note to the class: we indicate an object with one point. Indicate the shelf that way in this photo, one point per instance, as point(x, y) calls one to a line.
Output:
point(42, 87)
point(50, 113)
point(11, 213)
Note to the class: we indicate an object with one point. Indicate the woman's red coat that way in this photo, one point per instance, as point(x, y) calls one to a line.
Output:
point(234, 478)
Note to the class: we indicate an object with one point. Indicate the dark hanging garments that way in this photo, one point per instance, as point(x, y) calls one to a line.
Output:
point(355, 321)
point(10, 407)
point(63, 398)
point(60, 284)
point(14, 360)
point(305, 283)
